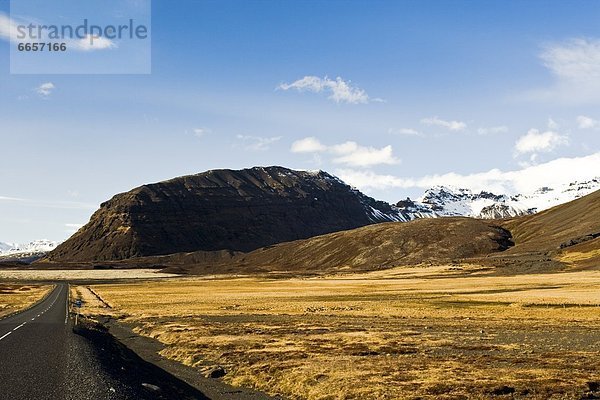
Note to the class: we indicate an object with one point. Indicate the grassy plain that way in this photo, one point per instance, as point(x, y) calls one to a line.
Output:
point(15, 297)
point(79, 274)
point(443, 332)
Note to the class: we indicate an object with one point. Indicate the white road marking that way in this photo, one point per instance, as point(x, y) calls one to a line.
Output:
point(67, 305)
point(32, 319)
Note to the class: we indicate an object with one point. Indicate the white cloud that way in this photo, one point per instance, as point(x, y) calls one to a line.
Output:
point(200, 132)
point(72, 228)
point(575, 65)
point(45, 89)
point(450, 125)
point(92, 42)
point(525, 180)
point(535, 141)
point(339, 90)
point(366, 179)
point(552, 124)
point(308, 145)
point(257, 143)
point(492, 130)
point(576, 60)
point(405, 132)
point(8, 28)
point(66, 205)
point(584, 122)
point(354, 155)
point(347, 153)
point(8, 32)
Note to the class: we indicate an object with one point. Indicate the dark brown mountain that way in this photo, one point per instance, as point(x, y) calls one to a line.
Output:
point(221, 210)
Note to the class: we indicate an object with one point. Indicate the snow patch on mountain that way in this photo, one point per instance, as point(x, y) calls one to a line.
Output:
point(34, 247)
point(442, 201)
point(5, 246)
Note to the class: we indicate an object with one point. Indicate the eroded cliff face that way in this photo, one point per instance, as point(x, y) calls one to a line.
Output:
point(222, 209)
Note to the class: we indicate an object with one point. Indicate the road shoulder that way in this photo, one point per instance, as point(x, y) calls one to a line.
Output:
point(147, 349)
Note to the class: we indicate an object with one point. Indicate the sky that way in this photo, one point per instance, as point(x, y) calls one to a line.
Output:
point(391, 96)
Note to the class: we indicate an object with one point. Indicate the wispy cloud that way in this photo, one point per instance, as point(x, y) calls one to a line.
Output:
point(201, 132)
point(576, 60)
point(66, 205)
point(257, 143)
point(575, 66)
point(72, 228)
point(339, 90)
point(492, 130)
point(552, 124)
point(405, 132)
point(45, 89)
point(450, 125)
point(584, 122)
point(91, 42)
point(8, 27)
point(8, 32)
point(525, 180)
point(347, 153)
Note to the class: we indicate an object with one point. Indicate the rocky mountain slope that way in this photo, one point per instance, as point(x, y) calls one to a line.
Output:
point(445, 201)
point(222, 209)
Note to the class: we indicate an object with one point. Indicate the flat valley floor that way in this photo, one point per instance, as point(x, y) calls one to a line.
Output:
point(446, 332)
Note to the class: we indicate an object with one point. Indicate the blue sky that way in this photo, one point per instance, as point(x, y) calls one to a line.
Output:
point(431, 92)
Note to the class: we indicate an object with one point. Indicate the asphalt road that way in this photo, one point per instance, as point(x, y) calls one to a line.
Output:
point(41, 358)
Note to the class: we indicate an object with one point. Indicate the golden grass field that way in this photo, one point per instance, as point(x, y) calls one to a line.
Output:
point(15, 297)
point(405, 333)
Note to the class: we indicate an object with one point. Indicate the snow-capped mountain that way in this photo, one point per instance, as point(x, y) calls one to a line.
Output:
point(26, 250)
point(442, 201)
point(5, 246)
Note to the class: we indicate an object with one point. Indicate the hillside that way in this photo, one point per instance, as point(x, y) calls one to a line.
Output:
point(560, 232)
point(371, 247)
point(221, 210)
point(269, 219)
point(568, 234)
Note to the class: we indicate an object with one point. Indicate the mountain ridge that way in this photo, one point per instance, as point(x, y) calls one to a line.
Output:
point(222, 210)
point(448, 201)
point(239, 211)
point(26, 252)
